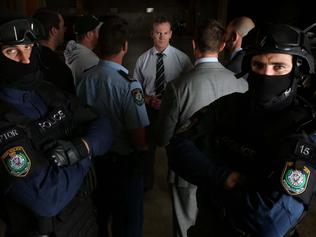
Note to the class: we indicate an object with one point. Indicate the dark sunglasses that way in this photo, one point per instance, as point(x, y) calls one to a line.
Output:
point(20, 30)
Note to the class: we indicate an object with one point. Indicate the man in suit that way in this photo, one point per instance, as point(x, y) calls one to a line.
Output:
point(148, 72)
point(235, 31)
point(206, 82)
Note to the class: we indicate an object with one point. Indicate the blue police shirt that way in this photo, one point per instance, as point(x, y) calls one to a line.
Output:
point(107, 88)
point(49, 190)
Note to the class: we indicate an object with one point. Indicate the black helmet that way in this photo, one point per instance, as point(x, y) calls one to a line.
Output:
point(278, 38)
point(20, 31)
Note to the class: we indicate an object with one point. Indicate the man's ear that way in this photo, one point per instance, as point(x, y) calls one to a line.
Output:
point(53, 31)
point(222, 46)
point(152, 34)
point(125, 46)
point(234, 36)
point(89, 34)
point(193, 45)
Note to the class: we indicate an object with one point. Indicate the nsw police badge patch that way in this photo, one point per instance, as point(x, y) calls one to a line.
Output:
point(16, 161)
point(295, 181)
point(138, 96)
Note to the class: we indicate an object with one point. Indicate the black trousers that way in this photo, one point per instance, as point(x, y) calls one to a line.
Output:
point(119, 196)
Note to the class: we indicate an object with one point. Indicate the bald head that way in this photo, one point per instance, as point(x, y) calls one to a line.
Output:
point(241, 25)
point(235, 31)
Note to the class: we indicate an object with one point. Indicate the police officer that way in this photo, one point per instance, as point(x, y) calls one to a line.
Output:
point(109, 89)
point(47, 140)
point(252, 155)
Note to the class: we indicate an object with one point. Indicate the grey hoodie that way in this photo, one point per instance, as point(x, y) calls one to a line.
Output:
point(79, 58)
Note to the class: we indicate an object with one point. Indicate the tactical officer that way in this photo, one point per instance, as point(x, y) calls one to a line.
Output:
point(47, 140)
point(108, 87)
point(252, 155)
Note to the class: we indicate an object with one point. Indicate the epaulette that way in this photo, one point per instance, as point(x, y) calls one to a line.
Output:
point(89, 68)
point(126, 76)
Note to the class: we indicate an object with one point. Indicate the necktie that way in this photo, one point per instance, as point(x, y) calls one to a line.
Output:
point(160, 75)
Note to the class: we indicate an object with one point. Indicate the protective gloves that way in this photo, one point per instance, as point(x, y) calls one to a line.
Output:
point(61, 152)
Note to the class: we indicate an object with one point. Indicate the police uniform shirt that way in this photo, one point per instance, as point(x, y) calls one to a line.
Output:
point(175, 62)
point(108, 88)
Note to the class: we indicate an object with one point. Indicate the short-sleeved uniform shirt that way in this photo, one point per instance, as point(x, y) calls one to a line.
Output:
point(108, 88)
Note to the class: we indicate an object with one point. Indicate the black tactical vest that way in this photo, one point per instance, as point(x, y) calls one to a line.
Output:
point(66, 115)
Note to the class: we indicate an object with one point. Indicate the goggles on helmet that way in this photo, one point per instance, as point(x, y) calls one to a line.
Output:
point(278, 38)
point(20, 31)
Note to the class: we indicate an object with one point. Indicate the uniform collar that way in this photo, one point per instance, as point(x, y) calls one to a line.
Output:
point(111, 64)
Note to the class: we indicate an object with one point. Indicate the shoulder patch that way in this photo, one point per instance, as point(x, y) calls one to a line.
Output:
point(126, 76)
point(16, 161)
point(138, 96)
point(293, 180)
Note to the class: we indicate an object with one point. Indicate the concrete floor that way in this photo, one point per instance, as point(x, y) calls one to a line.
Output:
point(158, 214)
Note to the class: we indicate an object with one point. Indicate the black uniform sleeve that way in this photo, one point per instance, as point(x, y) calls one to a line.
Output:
point(194, 166)
point(19, 158)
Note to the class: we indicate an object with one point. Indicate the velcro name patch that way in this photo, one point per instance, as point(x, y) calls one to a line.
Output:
point(52, 121)
point(9, 135)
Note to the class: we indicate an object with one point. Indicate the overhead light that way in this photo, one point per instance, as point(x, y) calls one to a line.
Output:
point(149, 10)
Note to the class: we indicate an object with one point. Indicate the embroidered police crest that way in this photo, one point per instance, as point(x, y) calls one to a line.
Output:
point(295, 181)
point(138, 96)
point(16, 161)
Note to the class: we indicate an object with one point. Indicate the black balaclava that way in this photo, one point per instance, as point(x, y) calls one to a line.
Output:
point(19, 75)
point(271, 92)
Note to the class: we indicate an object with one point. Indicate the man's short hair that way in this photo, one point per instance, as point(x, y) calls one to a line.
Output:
point(112, 35)
point(48, 18)
point(209, 36)
point(84, 24)
point(161, 19)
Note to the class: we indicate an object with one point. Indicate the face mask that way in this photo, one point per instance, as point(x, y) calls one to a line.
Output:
point(266, 90)
point(18, 75)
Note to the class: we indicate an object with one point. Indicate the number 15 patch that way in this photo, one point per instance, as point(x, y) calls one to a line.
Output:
point(304, 150)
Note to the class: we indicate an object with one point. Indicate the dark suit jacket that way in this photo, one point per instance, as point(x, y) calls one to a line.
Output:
point(235, 63)
point(56, 71)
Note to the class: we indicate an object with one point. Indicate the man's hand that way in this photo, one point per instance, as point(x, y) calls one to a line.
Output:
point(232, 180)
point(62, 152)
point(153, 101)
